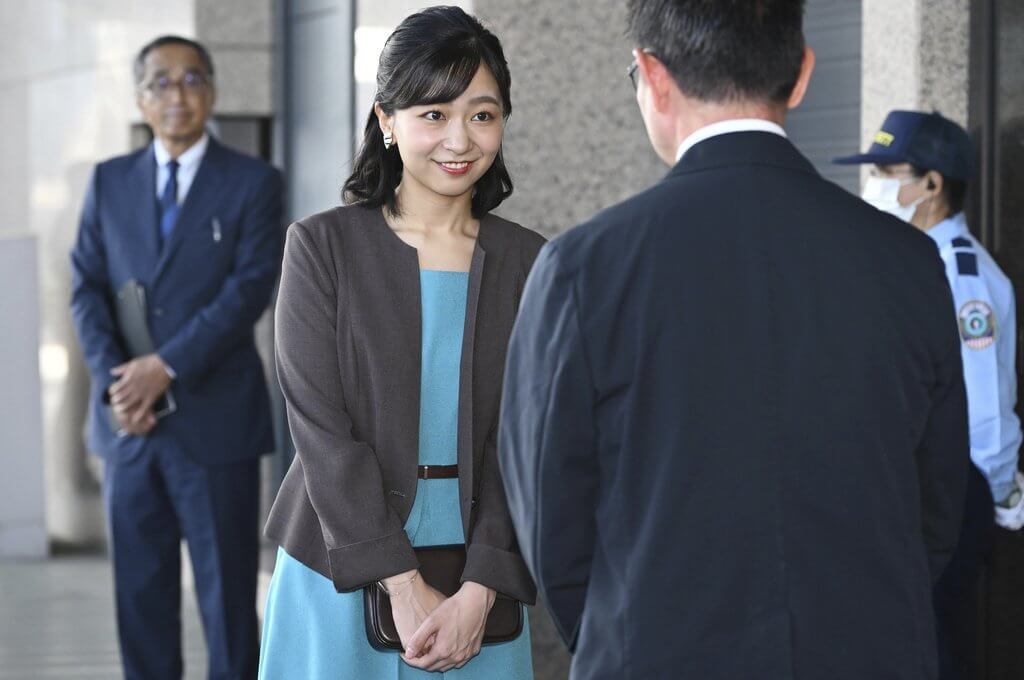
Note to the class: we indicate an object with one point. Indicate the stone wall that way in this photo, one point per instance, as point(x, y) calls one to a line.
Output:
point(575, 143)
point(915, 56)
point(240, 37)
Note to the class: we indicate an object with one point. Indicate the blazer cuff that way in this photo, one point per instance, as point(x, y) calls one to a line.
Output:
point(186, 361)
point(501, 570)
point(171, 373)
point(359, 564)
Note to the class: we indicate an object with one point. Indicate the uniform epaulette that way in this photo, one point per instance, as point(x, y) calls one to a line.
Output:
point(961, 242)
point(967, 264)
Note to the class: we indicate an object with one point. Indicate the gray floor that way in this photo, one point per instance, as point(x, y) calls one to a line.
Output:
point(57, 621)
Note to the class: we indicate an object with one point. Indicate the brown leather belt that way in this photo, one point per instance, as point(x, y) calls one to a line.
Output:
point(438, 471)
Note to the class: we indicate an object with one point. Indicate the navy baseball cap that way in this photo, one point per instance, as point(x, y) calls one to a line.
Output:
point(926, 140)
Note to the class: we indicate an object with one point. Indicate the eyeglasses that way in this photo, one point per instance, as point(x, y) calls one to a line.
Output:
point(192, 82)
point(631, 73)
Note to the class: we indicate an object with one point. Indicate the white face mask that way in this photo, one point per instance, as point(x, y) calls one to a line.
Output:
point(883, 193)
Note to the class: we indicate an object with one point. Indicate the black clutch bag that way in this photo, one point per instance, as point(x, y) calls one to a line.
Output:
point(441, 567)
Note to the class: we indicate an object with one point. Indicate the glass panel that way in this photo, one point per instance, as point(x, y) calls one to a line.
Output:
point(997, 215)
point(1007, 159)
point(827, 123)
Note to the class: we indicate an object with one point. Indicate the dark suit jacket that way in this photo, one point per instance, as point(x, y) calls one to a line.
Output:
point(734, 431)
point(204, 296)
point(348, 358)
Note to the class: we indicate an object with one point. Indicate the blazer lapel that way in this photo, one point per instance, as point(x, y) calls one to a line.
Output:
point(404, 280)
point(201, 198)
point(141, 183)
point(467, 473)
point(394, 268)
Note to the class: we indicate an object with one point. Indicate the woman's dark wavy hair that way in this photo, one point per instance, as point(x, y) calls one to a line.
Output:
point(430, 59)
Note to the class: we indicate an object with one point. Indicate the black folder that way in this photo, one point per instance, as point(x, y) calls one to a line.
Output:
point(132, 318)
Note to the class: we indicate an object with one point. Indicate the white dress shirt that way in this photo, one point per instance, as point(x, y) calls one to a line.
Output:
point(188, 166)
point(728, 126)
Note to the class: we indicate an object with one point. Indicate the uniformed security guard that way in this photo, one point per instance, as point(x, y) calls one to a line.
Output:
point(923, 162)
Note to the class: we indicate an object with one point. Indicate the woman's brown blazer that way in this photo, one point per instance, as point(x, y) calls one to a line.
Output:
point(348, 327)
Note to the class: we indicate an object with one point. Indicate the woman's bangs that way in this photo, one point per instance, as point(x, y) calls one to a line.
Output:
point(440, 78)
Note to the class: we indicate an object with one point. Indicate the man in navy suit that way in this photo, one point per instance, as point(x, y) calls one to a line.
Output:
point(198, 226)
point(734, 428)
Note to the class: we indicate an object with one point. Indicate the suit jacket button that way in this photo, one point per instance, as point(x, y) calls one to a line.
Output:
point(159, 311)
point(472, 503)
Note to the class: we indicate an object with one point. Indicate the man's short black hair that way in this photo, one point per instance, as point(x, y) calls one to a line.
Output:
point(724, 50)
point(954, 191)
point(140, 59)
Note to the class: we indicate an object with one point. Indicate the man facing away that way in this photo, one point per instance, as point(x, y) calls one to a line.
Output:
point(734, 428)
point(198, 228)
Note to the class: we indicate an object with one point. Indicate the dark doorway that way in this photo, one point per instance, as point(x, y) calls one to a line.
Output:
point(996, 215)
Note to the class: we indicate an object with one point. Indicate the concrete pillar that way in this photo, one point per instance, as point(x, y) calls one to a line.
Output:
point(915, 56)
point(575, 143)
point(319, 96)
point(22, 511)
point(240, 37)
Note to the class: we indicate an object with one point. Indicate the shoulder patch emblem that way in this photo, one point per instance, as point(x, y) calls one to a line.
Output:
point(961, 242)
point(967, 264)
point(977, 325)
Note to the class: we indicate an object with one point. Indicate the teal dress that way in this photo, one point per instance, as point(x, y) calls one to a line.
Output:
point(312, 632)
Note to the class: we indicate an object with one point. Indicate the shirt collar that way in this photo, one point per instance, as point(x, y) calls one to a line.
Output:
point(948, 229)
point(725, 127)
point(189, 158)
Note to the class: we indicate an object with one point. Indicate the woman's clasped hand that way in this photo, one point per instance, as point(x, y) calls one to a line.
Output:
point(438, 633)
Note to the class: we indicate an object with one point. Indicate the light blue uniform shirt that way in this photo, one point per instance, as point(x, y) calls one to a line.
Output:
point(984, 303)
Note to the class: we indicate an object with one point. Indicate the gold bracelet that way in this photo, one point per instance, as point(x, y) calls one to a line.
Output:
point(407, 585)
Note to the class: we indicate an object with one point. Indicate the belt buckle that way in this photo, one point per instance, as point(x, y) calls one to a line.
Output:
point(426, 471)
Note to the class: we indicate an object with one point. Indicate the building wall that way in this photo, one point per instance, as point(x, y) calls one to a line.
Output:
point(915, 57)
point(22, 512)
point(240, 35)
point(575, 142)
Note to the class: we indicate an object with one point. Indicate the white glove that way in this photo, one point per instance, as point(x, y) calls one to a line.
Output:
point(1010, 513)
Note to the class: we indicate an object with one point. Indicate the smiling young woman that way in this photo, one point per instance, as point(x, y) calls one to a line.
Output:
point(392, 325)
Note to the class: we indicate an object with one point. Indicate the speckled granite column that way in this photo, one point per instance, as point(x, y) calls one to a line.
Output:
point(915, 56)
point(944, 55)
point(575, 142)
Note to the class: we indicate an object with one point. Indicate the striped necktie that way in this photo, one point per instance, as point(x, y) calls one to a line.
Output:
point(169, 203)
